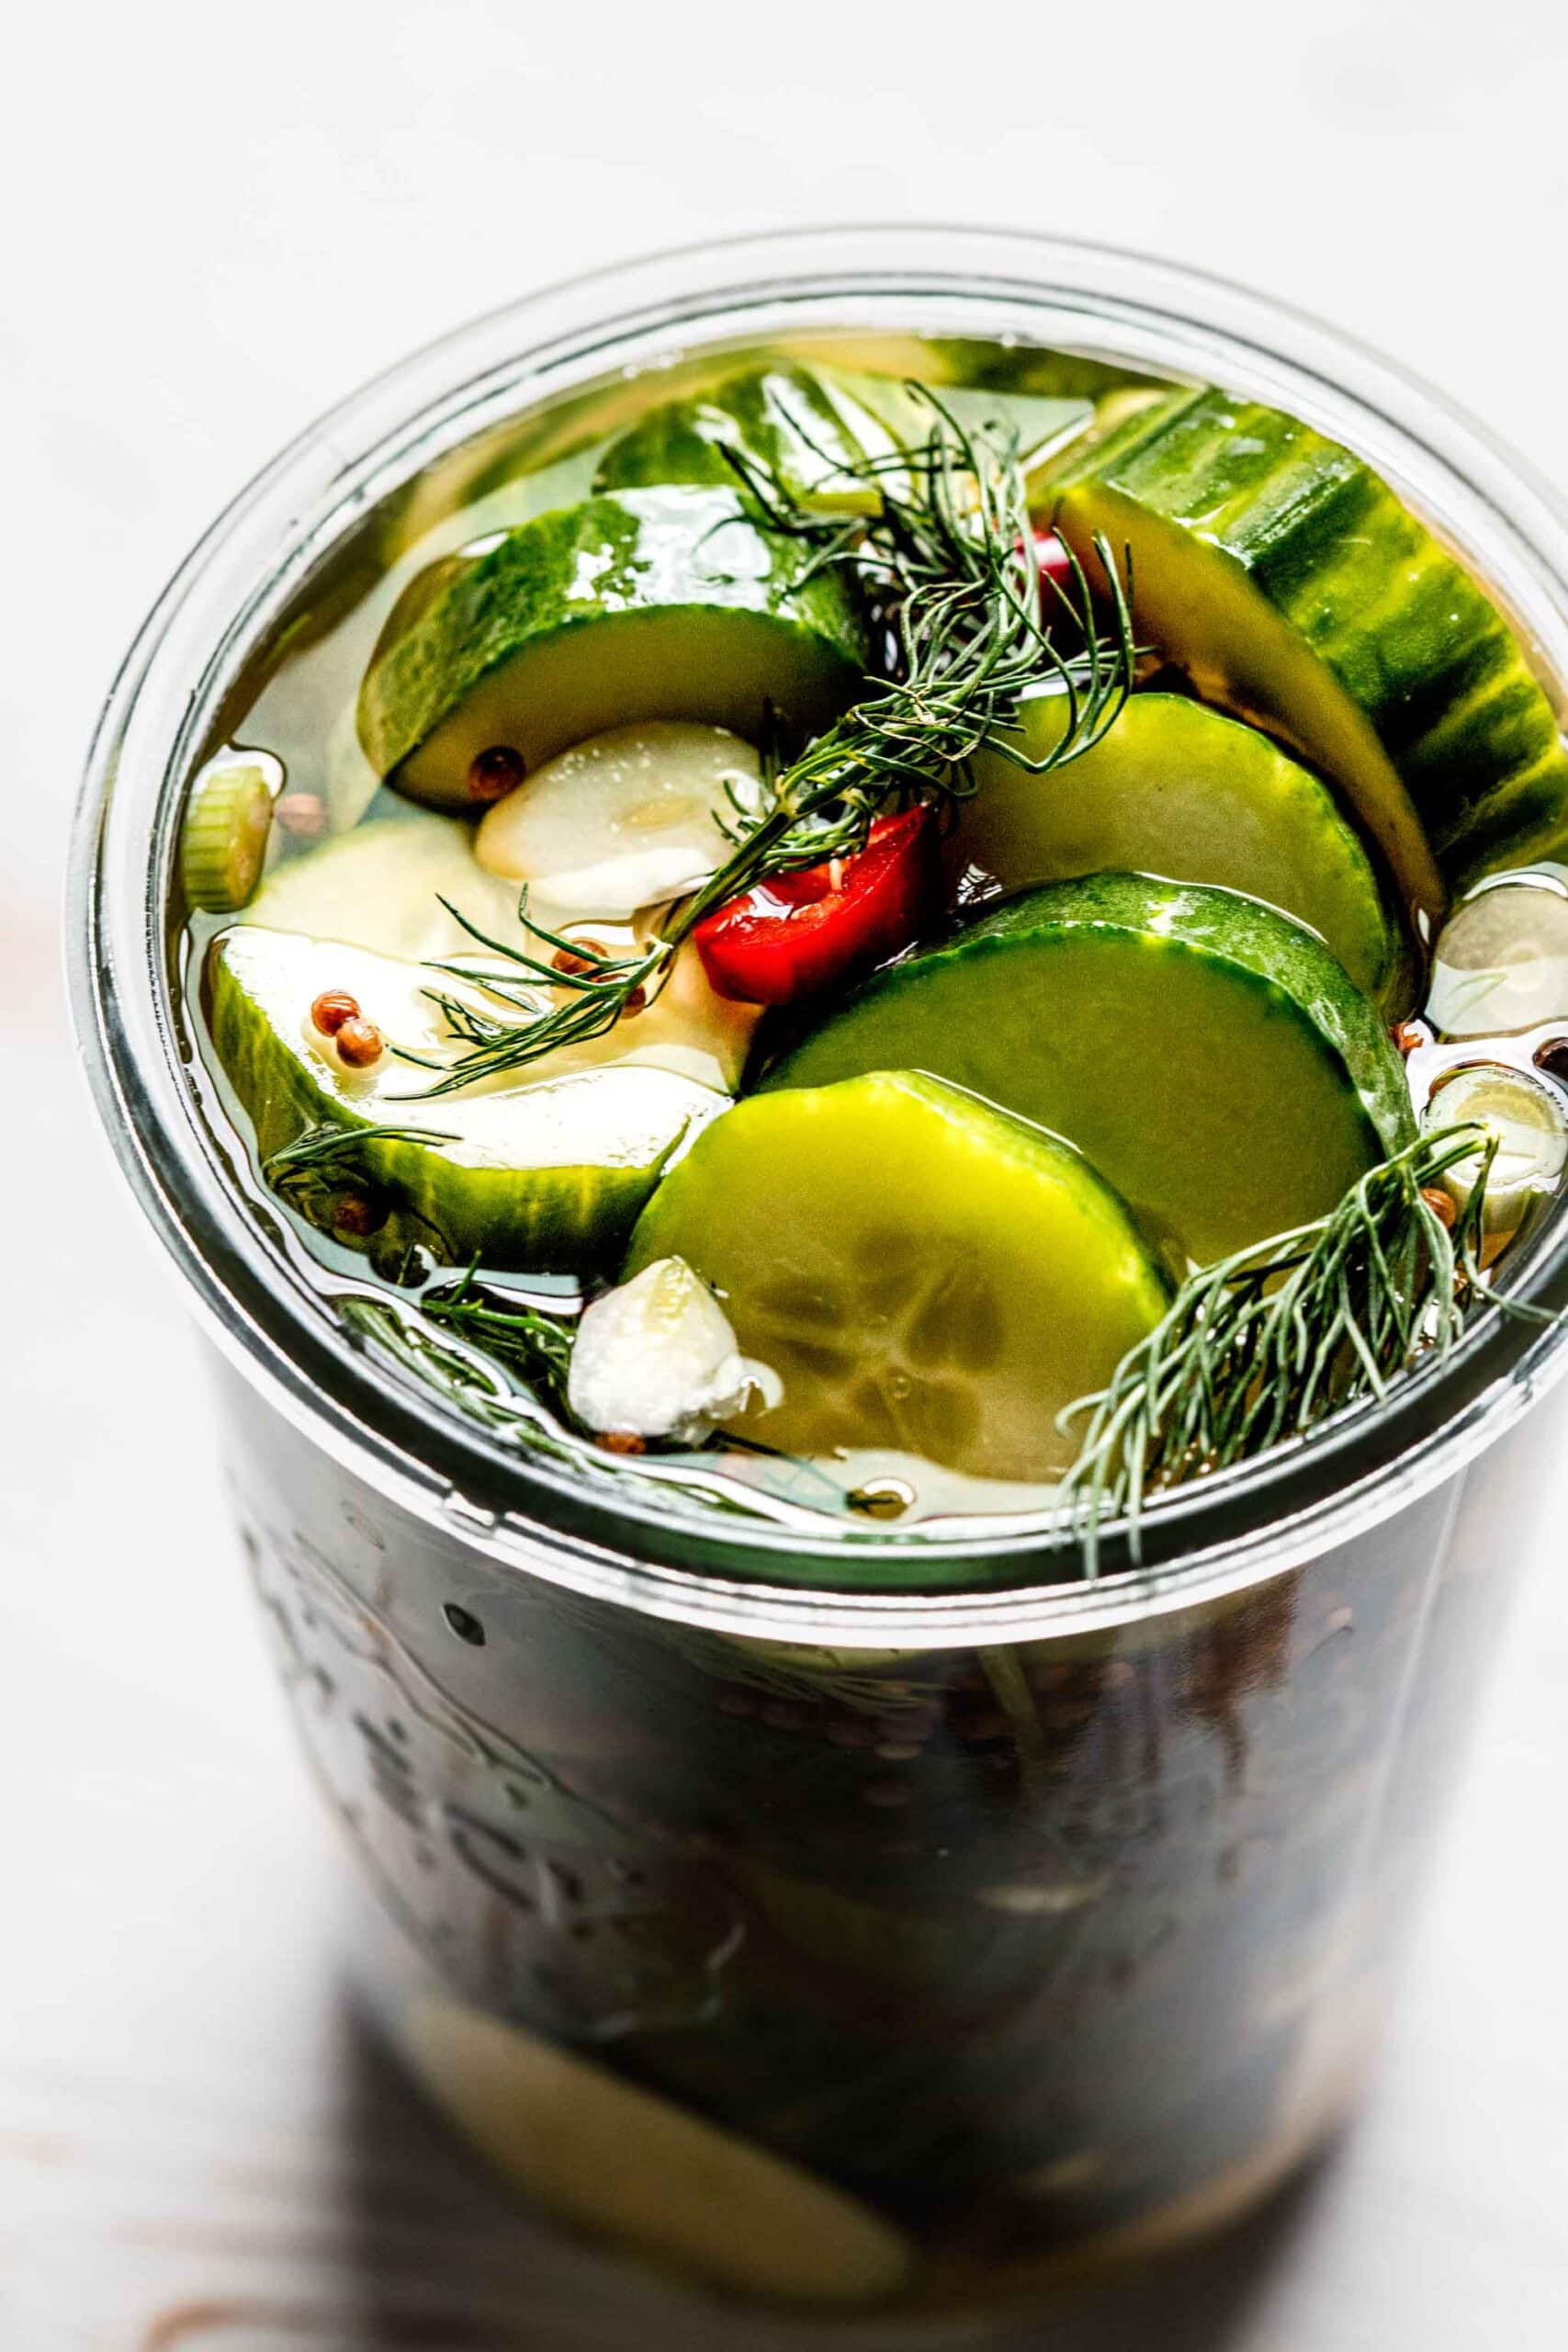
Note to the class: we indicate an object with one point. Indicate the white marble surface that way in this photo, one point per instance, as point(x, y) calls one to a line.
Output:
point(214, 223)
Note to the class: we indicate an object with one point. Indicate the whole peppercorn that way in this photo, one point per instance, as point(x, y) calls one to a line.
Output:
point(1440, 1204)
point(494, 774)
point(332, 1008)
point(357, 1214)
point(359, 1042)
point(574, 966)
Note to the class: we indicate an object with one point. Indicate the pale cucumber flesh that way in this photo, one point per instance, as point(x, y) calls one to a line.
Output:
point(1207, 1054)
point(399, 883)
point(654, 2177)
point(662, 604)
point(920, 1270)
point(548, 1170)
point(1294, 583)
point(1195, 602)
point(1177, 790)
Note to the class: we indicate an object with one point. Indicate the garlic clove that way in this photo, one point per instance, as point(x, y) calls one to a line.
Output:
point(657, 1358)
point(627, 819)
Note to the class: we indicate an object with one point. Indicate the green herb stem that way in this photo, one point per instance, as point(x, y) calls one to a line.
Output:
point(1261, 1347)
point(948, 564)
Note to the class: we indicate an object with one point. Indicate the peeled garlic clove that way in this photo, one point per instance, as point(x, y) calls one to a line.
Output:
point(1527, 1118)
point(626, 819)
point(1502, 961)
point(658, 1358)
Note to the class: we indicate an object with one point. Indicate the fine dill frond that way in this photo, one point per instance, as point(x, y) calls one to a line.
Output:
point(337, 1152)
point(1255, 1350)
point(1260, 1347)
point(946, 565)
point(597, 990)
point(531, 1343)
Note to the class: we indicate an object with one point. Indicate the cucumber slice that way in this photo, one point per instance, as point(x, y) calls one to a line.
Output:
point(629, 820)
point(1176, 789)
point(663, 2182)
point(548, 1173)
point(806, 427)
point(1292, 583)
point(812, 428)
point(919, 1268)
point(652, 603)
point(381, 884)
point(224, 836)
point(1208, 1055)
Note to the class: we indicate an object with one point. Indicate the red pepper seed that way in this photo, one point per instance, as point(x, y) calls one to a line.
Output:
point(1408, 1035)
point(623, 1441)
point(332, 1008)
point(496, 773)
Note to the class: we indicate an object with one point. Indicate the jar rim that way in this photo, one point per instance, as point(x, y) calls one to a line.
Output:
point(1210, 1536)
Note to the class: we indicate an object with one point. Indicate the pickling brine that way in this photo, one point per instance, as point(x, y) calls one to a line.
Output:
point(850, 943)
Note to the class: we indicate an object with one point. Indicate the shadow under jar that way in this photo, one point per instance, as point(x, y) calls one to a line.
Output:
point(843, 1920)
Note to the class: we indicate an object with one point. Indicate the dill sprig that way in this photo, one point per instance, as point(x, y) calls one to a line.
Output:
point(597, 988)
point(327, 1154)
point(1261, 1347)
point(1258, 1350)
point(946, 563)
point(529, 1341)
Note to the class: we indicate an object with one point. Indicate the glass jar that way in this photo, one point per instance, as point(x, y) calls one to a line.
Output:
point(845, 1921)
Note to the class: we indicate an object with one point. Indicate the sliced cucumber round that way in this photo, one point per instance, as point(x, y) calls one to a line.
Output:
point(652, 603)
point(814, 428)
point(1292, 583)
point(660, 2180)
point(802, 425)
point(381, 884)
point(1208, 1055)
point(223, 839)
point(1176, 789)
point(547, 1169)
point(919, 1268)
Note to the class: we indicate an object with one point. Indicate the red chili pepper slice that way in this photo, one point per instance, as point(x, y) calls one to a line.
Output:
point(799, 934)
